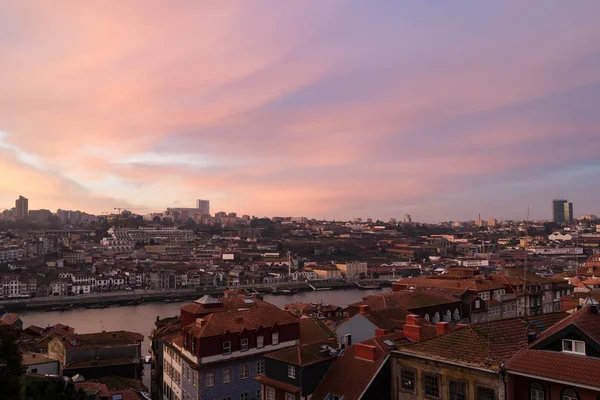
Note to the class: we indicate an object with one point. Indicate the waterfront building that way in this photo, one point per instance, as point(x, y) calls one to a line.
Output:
point(353, 269)
point(219, 355)
point(95, 355)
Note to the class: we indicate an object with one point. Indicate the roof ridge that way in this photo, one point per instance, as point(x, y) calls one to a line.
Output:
point(485, 343)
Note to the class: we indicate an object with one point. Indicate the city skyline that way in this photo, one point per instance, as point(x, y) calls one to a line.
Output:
point(330, 111)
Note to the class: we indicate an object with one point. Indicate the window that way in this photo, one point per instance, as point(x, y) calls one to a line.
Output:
point(227, 375)
point(477, 304)
point(245, 396)
point(34, 370)
point(270, 393)
point(275, 338)
point(407, 380)
point(569, 394)
point(210, 379)
point(436, 318)
point(448, 316)
point(431, 385)
point(290, 396)
point(536, 391)
point(260, 341)
point(456, 316)
point(291, 372)
point(244, 344)
point(260, 368)
point(258, 394)
point(484, 393)
point(226, 347)
point(244, 371)
point(458, 390)
point(427, 317)
point(573, 346)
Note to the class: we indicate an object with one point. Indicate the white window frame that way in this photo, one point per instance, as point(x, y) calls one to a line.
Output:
point(244, 344)
point(270, 393)
point(260, 342)
point(260, 367)
point(291, 371)
point(290, 396)
point(226, 347)
point(226, 373)
point(275, 338)
point(210, 379)
point(244, 371)
point(574, 344)
point(536, 394)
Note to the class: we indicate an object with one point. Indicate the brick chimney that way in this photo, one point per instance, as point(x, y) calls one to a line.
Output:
point(442, 327)
point(365, 351)
point(364, 309)
point(380, 332)
point(200, 321)
point(413, 329)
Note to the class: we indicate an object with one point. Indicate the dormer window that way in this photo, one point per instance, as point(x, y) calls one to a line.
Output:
point(260, 341)
point(226, 347)
point(275, 338)
point(573, 346)
point(244, 344)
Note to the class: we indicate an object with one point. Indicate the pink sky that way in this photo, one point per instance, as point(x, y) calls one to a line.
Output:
point(321, 109)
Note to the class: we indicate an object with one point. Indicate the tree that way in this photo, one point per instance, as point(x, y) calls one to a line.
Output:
point(11, 369)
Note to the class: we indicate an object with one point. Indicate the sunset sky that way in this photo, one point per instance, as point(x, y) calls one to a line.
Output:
point(324, 109)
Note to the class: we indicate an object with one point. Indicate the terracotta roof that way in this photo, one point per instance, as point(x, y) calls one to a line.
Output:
point(98, 363)
point(30, 358)
point(305, 355)
point(313, 330)
point(102, 339)
point(350, 376)
point(125, 394)
point(93, 388)
point(585, 320)
point(486, 345)
point(406, 299)
point(557, 365)
point(9, 319)
point(236, 321)
point(114, 382)
point(208, 306)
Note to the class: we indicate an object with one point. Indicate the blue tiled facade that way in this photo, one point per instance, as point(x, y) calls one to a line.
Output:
point(232, 390)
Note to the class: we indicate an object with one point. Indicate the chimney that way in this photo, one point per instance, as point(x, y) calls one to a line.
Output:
point(442, 327)
point(412, 329)
point(380, 332)
point(531, 337)
point(364, 309)
point(365, 351)
point(200, 321)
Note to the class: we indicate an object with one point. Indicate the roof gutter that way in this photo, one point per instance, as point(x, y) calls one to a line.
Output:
point(447, 362)
point(374, 376)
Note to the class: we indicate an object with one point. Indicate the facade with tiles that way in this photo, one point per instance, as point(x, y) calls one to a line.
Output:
point(218, 356)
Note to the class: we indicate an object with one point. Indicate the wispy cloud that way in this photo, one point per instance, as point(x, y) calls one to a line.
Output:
point(329, 109)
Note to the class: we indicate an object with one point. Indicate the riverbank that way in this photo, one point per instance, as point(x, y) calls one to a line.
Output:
point(138, 297)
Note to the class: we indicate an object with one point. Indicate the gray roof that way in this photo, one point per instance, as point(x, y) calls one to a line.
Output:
point(206, 299)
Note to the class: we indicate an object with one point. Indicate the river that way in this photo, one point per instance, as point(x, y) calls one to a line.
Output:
point(141, 318)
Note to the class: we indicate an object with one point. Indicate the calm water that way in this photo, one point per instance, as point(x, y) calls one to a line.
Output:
point(141, 318)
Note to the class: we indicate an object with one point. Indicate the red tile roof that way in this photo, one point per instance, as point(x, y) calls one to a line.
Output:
point(102, 339)
point(93, 388)
point(313, 330)
point(305, 355)
point(562, 366)
point(236, 321)
point(126, 394)
point(350, 376)
point(277, 384)
point(486, 345)
point(407, 300)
